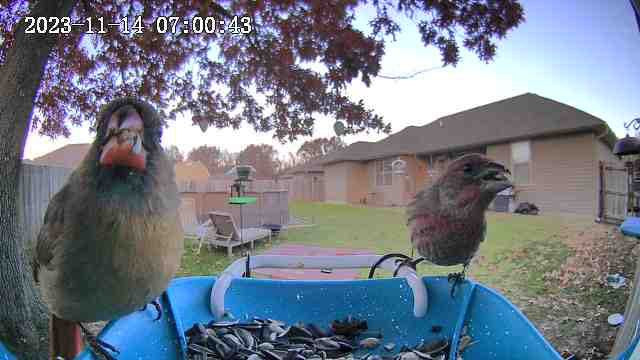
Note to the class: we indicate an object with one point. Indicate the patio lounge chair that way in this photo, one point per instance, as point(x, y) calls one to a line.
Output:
point(224, 232)
point(192, 229)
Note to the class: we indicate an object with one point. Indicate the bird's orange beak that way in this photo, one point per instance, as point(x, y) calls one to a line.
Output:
point(124, 147)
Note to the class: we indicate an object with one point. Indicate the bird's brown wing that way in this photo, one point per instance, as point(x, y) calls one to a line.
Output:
point(425, 201)
point(51, 230)
point(484, 229)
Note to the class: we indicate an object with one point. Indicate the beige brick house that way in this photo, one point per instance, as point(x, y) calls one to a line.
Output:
point(304, 182)
point(187, 173)
point(190, 173)
point(552, 149)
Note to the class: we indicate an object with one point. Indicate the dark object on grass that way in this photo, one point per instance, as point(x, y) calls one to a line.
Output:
point(527, 208)
point(275, 228)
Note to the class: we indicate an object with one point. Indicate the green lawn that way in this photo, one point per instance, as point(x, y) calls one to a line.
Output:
point(517, 252)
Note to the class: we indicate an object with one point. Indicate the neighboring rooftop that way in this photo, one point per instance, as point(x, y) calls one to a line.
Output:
point(190, 170)
point(68, 156)
point(520, 117)
point(360, 150)
point(311, 166)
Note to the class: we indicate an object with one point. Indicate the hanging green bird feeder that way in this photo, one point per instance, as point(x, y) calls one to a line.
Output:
point(245, 172)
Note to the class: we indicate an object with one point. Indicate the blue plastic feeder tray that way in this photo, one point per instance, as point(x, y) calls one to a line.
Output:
point(631, 227)
point(405, 309)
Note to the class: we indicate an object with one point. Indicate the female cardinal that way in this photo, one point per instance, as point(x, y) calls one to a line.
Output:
point(111, 239)
point(446, 220)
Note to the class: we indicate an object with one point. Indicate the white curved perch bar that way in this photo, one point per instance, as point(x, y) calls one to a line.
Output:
point(237, 268)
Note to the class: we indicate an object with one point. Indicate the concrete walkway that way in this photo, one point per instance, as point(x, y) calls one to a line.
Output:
point(309, 274)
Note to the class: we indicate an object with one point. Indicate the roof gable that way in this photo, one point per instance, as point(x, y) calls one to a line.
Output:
point(190, 170)
point(68, 156)
point(524, 116)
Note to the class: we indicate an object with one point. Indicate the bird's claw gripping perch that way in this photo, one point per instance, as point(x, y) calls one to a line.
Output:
point(457, 278)
point(158, 308)
point(100, 348)
point(412, 263)
point(383, 259)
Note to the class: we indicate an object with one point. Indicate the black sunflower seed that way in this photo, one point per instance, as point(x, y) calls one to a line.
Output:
point(298, 331)
point(434, 347)
point(316, 330)
point(270, 355)
point(302, 340)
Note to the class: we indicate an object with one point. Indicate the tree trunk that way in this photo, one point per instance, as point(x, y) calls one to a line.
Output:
point(23, 317)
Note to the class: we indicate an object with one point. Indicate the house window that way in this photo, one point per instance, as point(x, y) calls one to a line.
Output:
point(436, 165)
point(384, 171)
point(521, 162)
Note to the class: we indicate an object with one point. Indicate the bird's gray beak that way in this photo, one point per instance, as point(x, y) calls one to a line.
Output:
point(494, 177)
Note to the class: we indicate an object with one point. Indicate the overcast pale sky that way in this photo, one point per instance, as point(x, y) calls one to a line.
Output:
point(585, 53)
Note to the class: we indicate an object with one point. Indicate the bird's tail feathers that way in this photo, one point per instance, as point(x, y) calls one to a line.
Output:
point(65, 338)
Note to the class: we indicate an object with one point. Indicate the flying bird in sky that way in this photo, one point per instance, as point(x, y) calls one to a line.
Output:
point(447, 219)
point(111, 239)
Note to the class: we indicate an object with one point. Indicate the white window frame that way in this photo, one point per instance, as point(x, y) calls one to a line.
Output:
point(517, 158)
point(384, 172)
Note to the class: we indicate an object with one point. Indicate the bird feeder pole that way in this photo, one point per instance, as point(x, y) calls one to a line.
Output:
point(243, 173)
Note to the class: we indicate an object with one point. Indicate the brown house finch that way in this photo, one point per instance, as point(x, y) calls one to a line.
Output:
point(446, 220)
point(111, 239)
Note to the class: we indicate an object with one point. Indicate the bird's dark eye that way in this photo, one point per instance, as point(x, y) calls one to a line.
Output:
point(467, 169)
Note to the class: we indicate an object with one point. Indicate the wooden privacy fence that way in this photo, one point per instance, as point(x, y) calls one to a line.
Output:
point(615, 192)
point(224, 185)
point(271, 207)
point(38, 184)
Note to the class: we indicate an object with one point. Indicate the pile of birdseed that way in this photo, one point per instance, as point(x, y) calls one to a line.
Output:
point(268, 339)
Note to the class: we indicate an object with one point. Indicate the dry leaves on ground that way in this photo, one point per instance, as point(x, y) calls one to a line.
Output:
point(573, 313)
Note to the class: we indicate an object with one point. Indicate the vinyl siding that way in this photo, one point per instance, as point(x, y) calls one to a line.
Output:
point(306, 187)
point(418, 172)
point(378, 195)
point(417, 177)
point(402, 189)
point(336, 182)
point(500, 153)
point(357, 186)
point(345, 182)
point(563, 173)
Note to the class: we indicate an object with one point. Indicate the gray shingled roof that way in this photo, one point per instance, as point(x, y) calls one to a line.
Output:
point(308, 167)
point(524, 116)
point(357, 151)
